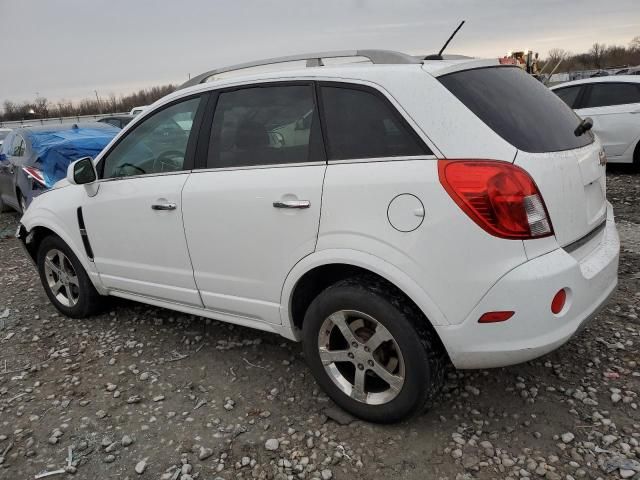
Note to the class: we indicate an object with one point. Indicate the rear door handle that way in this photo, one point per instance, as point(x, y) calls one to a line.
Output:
point(163, 206)
point(292, 204)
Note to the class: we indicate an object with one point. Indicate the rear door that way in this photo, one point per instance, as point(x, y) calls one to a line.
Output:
point(568, 169)
point(252, 213)
point(615, 110)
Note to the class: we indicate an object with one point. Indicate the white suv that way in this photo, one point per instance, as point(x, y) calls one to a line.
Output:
point(392, 216)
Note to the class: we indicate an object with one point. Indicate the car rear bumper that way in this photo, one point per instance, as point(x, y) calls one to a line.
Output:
point(589, 273)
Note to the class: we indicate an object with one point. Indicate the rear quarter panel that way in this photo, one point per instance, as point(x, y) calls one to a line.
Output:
point(453, 260)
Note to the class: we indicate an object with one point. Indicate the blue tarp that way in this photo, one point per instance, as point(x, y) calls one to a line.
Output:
point(56, 149)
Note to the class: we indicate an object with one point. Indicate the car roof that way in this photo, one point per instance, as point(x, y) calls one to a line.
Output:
point(607, 79)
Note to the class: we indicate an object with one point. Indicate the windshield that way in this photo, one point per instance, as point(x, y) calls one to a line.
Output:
point(3, 134)
point(518, 108)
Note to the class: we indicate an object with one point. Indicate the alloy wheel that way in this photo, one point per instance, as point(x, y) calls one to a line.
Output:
point(61, 277)
point(361, 357)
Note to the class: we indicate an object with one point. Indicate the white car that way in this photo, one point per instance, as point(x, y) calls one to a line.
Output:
point(3, 134)
point(391, 216)
point(613, 103)
point(137, 110)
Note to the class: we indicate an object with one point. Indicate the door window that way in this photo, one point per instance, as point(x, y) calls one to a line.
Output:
point(157, 145)
point(362, 124)
point(568, 95)
point(264, 126)
point(17, 148)
point(608, 94)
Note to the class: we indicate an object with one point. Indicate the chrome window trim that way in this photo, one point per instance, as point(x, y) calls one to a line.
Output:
point(146, 175)
point(259, 167)
point(383, 159)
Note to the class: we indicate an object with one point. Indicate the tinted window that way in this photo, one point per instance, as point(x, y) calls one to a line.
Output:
point(158, 144)
point(606, 94)
point(518, 108)
point(361, 124)
point(568, 95)
point(263, 126)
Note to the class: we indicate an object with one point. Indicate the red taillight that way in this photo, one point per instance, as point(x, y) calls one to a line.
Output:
point(493, 317)
point(557, 304)
point(500, 197)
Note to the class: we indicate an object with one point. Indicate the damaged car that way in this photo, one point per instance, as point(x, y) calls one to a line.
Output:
point(33, 159)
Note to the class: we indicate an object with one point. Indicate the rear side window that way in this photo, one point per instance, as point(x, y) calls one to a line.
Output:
point(258, 126)
point(568, 95)
point(361, 124)
point(608, 94)
point(518, 108)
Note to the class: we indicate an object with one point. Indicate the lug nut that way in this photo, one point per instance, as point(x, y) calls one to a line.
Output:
point(354, 344)
point(360, 366)
point(366, 349)
point(370, 363)
point(350, 355)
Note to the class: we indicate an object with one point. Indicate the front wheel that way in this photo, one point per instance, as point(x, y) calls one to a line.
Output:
point(370, 350)
point(65, 281)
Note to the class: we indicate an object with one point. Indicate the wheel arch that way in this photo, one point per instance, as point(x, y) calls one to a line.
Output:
point(33, 229)
point(317, 271)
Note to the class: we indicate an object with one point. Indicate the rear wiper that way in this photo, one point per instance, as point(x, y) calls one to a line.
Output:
point(584, 126)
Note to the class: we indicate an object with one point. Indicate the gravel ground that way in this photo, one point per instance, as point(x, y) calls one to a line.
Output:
point(142, 392)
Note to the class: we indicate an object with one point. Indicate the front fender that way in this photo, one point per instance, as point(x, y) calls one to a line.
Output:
point(358, 259)
point(65, 229)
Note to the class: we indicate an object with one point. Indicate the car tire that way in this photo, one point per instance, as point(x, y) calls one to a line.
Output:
point(65, 280)
point(4, 207)
point(407, 349)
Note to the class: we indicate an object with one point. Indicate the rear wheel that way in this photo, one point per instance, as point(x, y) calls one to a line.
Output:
point(370, 351)
point(65, 281)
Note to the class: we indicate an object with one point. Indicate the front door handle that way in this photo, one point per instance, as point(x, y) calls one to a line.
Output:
point(292, 204)
point(163, 206)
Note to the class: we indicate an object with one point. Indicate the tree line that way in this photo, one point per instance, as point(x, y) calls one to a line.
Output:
point(41, 107)
point(599, 57)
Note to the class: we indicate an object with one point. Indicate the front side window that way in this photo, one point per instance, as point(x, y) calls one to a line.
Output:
point(157, 145)
point(361, 124)
point(267, 125)
point(568, 95)
point(608, 94)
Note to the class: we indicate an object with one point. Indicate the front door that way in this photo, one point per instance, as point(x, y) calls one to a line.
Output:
point(253, 213)
point(615, 110)
point(134, 222)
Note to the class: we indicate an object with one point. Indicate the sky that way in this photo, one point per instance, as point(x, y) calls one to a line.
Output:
point(66, 49)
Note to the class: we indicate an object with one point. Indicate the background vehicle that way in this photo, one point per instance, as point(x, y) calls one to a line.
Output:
point(614, 105)
point(345, 206)
point(33, 159)
point(118, 121)
point(3, 134)
point(137, 110)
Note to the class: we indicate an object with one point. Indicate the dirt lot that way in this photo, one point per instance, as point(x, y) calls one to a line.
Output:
point(142, 392)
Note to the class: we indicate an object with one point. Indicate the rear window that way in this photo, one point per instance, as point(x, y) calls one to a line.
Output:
point(518, 108)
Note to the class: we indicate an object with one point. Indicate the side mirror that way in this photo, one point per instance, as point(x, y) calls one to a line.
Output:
point(82, 172)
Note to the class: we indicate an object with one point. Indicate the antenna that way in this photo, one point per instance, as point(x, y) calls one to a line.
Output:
point(438, 56)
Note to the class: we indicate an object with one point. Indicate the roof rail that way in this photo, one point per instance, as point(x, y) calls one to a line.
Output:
point(313, 60)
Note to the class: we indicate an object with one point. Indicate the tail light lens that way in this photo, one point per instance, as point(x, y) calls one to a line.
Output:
point(500, 197)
